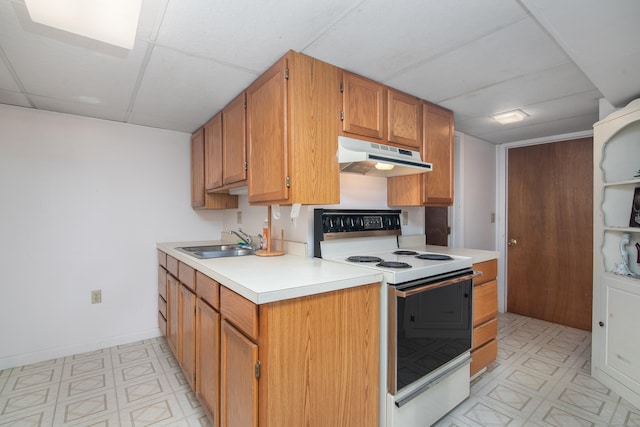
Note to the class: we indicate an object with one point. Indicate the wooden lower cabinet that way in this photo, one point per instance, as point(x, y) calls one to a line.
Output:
point(239, 378)
point(173, 310)
point(485, 316)
point(208, 359)
point(309, 361)
point(187, 334)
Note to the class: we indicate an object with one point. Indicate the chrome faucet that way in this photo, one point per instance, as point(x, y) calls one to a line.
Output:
point(243, 236)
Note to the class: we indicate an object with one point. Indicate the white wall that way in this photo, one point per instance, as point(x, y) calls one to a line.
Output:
point(83, 203)
point(356, 192)
point(475, 193)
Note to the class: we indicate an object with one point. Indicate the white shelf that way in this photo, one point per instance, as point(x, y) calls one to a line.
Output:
point(633, 280)
point(623, 229)
point(622, 183)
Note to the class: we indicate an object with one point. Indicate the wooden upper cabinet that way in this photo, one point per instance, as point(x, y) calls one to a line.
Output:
point(438, 150)
point(213, 153)
point(434, 188)
point(234, 142)
point(404, 119)
point(292, 134)
point(376, 112)
point(362, 106)
point(200, 199)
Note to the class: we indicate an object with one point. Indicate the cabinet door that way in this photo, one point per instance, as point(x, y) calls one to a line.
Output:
point(404, 119)
point(238, 382)
point(438, 150)
point(208, 359)
point(187, 334)
point(616, 354)
point(485, 302)
point(234, 139)
point(173, 310)
point(197, 169)
point(213, 152)
point(362, 106)
point(267, 135)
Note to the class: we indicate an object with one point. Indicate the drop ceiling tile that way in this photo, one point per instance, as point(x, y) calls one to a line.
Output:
point(380, 38)
point(186, 89)
point(78, 108)
point(576, 105)
point(554, 83)
point(601, 37)
point(56, 64)
point(554, 128)
point(516, 50)
point(6, 78)
point(253, 34)
point(13, 98)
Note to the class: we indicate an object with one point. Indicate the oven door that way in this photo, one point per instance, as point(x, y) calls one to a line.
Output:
point(430, 324)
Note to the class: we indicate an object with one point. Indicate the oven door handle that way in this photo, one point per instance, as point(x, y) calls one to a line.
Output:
point(430, 286)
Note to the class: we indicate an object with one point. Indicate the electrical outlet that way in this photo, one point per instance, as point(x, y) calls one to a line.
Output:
point(239, 217)
point(96, 296)
point(493, 217)
point(405, 218)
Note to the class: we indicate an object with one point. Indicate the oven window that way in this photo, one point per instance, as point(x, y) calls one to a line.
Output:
point(433, 328)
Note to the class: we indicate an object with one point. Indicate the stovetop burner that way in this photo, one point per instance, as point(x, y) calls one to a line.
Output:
point(434, 257)
point(394, 264)
point(404, 252)
point(364, 258)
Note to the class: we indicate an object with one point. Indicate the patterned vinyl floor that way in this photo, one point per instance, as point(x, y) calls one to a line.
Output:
point(541, 378)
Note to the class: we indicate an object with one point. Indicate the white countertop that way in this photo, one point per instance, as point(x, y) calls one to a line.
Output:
point(268, 279)
point(477, 255)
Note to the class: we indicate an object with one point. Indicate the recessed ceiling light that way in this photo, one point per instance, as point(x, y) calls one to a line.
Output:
point(110, 21)
point(509, 117)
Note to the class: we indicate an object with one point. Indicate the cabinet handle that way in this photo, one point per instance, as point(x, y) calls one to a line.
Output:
point(601, 324)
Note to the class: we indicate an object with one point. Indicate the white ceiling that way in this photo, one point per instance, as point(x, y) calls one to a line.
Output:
point(552, 59)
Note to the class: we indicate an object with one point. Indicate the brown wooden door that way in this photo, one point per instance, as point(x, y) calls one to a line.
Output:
point(238, 383)
point(234, 136)
point(550, 229)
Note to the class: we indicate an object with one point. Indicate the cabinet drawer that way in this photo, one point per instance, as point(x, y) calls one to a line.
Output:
point(187, 276)
point(162, 258)
point(162, 324)
point(208, 290)
point(489, 271)
point(172, 265)
point(485, 332)
point(484, 355)
point(239, 311)
point(162, 282)
point(485, 302)
point(162, 306)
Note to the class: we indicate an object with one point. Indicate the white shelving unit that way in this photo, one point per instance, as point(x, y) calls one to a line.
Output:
point(616, 298)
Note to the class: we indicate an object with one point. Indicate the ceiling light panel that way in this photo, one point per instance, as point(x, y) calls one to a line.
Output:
point(510, 117)
point(109, 21)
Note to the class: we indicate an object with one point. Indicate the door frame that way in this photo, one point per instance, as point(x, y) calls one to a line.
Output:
point(501, 202)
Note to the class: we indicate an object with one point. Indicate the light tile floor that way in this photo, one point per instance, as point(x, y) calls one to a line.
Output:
point(541, 378)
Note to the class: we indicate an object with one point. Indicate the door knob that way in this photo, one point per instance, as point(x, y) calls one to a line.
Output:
point(512, 242)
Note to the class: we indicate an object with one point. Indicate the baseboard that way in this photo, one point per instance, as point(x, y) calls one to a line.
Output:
point(55, 353)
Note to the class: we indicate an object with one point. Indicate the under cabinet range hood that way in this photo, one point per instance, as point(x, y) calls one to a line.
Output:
point(373, 159)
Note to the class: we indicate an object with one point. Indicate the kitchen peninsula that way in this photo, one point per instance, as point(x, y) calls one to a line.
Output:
point(274, 340)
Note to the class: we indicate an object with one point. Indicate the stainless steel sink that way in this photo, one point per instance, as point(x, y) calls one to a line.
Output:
point(216, 251)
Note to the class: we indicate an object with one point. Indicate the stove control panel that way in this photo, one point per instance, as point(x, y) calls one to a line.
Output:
point(346, 223)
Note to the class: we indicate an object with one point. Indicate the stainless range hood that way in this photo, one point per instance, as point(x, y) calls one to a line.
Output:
point(373, 159)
